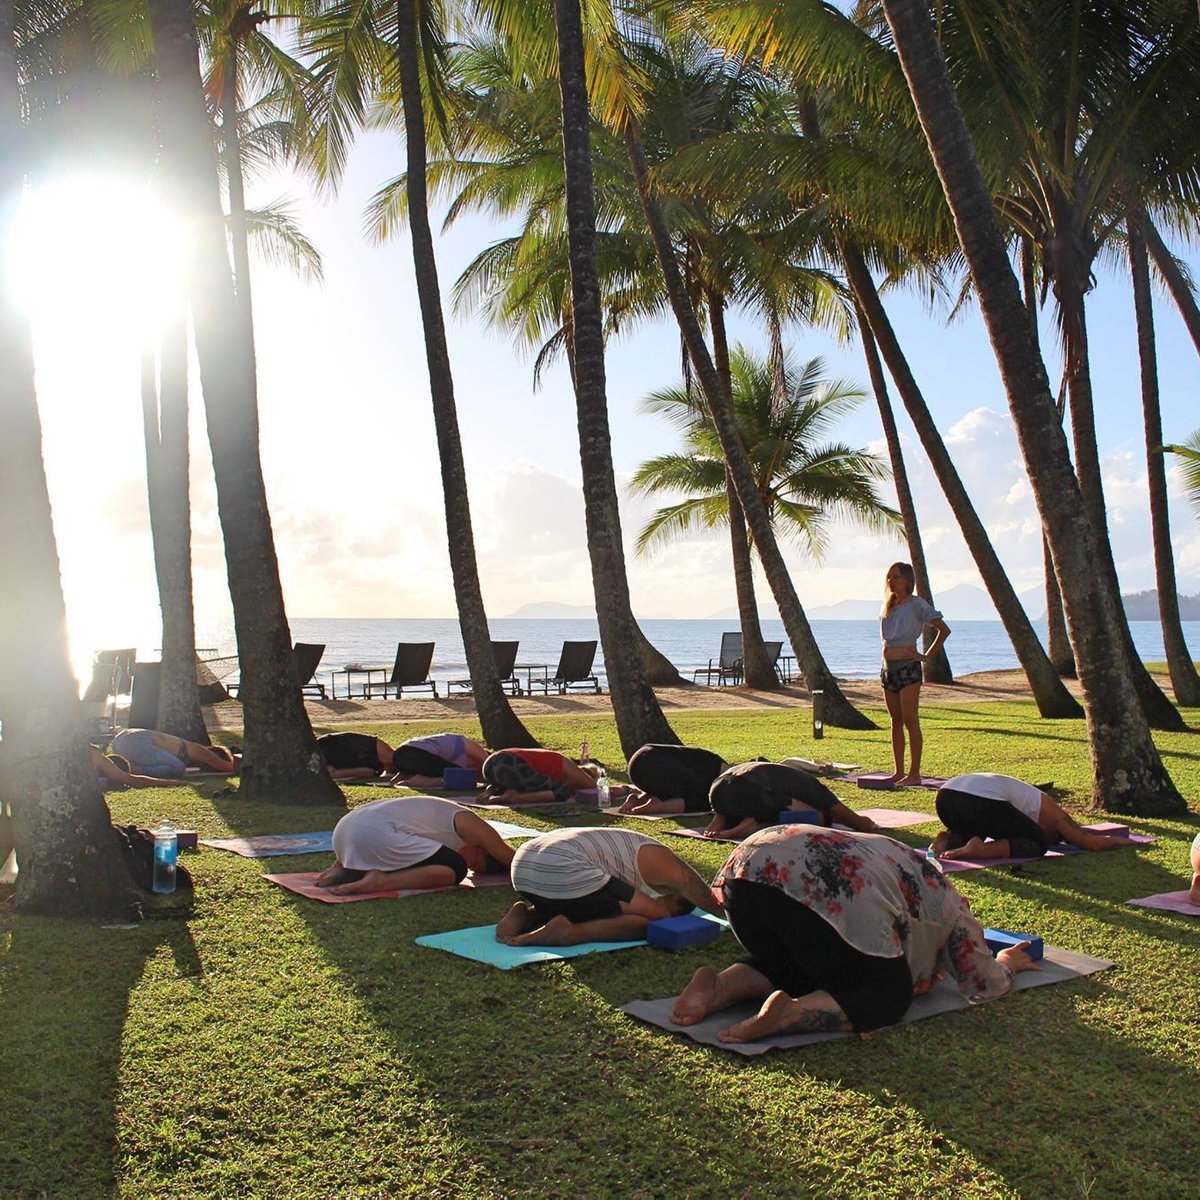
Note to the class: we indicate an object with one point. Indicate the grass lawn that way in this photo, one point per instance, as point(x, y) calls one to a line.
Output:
point(272, 1046)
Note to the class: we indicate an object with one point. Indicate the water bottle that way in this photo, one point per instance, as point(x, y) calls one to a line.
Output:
point(603, 799)
point(166, 851)
point(584, 751)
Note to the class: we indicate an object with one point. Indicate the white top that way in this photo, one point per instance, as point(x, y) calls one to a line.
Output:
point(391, 834)
point(569, 863)
point(905, 623)
point(1024, 797)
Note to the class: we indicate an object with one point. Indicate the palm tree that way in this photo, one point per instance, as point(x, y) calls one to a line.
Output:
point(70, 862)
point(802, 482)
point(281, 759)
point(1176, 279)
point(1127, 772)
point(1184, 680)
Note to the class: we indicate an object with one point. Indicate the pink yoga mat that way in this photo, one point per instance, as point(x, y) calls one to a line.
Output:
point(881, 781)
point(303, 883)
point(1169, 902)
point(950, 865)
point(885, 818)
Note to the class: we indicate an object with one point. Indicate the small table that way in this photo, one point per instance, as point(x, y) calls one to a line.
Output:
point(367, 671)
point(786, 662)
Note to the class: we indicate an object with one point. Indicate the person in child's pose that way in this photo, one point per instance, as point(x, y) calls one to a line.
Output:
point(1021, 821)
point(843, 930)
point(904, 618)
point(751, 795)
point(671, 779)
point(411, 842)
point(164, 756)
point(597, 885)
point(521, 776)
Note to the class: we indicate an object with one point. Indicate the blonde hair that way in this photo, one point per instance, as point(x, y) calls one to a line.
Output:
point(889, 597)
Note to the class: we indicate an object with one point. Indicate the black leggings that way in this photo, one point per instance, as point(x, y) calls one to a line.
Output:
point(800, 952)
point(676, 772)
point(981, 816)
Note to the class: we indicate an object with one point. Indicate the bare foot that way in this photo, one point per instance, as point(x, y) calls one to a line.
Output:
point(782, 1014)
point(909, 780)
point(698, 999)
point(972, 849)
point(558, 931)
point(1194, 894)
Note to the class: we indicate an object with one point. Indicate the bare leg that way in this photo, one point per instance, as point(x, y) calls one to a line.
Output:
point(709, 992)
point(910, 701)
point(817, 1012)
point(892, 699)
point(1194, 894)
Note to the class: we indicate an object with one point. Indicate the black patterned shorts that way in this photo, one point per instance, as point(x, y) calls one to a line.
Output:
point(896, 676)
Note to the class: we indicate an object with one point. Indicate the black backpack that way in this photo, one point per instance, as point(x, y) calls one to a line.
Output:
point(137, 845)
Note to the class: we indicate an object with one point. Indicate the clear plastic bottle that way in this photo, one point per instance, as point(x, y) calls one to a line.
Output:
point(166, 851)
point(603, 798)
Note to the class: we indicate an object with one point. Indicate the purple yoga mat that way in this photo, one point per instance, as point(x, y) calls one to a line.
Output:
point(885, 818)
point(303, 883)
point(1062, 850)
point(1169, 902)
point(881, 781)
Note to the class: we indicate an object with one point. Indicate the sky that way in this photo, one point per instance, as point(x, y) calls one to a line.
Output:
point(350, 460)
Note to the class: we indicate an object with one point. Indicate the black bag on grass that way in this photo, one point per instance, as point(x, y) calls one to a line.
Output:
point(137, 845)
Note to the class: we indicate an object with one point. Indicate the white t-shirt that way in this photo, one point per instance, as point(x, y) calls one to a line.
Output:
point(569, 863)
point(906, 622)
point(1024, 797)
point(399, 832)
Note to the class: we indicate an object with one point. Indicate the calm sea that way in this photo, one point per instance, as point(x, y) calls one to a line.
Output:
point(851, 648)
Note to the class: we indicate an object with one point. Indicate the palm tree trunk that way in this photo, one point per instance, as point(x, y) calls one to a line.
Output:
point(1049, 692)
point(638, 715)
point(281, 762)
point(1127, 773)
point(1184, 680)
point(838, 710)
point(500, 725)
point(756, 670)
point(238, 236)
point(165, 431)
point(1177, 284)
point(69, 859)
point(660, 670)
point(1058, 643)
point(937, 669)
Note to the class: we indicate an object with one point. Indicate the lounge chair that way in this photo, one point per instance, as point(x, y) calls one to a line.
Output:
point(411, 670)
point(306, 657)
point(505, 656)
point(574, 670)
point(727, 667)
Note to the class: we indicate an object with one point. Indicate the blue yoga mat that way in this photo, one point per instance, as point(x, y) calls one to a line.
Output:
point(479, 945)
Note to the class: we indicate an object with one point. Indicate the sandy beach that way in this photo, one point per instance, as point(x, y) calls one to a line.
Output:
point(970, 689)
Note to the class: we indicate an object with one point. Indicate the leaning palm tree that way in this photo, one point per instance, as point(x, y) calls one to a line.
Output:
point(1127, 773)
point(783, 412)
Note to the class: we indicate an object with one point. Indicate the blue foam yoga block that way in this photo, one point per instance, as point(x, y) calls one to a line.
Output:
point(459, 779)
point(676, 933)
point(799, 816)
point(1002, 939)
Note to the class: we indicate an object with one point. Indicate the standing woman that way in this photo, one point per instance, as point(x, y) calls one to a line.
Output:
point(904, 618)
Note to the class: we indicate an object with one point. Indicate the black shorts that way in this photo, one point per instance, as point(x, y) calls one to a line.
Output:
point(676, 773)
point(896, 676)
point(595, 906)
point(800, 952)
point(346, 751)
point(762, 791)
point(980, 816)
point(443, 856)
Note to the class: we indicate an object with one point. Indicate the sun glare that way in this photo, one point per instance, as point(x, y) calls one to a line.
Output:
point(94, 256)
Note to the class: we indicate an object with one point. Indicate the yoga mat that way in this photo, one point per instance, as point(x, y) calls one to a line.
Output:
point(479, 944)
point(303, 883)
point(1060, 850)
point(885, 818)
point(271, 845)
point(1059, 966)
point(827, 770)
point(881, 781)
point(1169, 902)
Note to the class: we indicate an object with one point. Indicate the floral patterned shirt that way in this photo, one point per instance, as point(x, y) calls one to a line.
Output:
point(880, 896)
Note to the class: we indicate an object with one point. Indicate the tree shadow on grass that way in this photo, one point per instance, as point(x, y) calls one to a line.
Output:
point(65, 992)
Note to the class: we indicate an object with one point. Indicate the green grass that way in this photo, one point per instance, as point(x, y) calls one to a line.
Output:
point(271, 1046)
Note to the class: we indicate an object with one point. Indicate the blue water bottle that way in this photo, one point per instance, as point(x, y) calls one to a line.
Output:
point(166, 851)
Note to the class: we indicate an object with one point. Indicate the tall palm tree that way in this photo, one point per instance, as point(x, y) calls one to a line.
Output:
point(1184, 680)
point(280, 750)
point(803, 481)
point(1177, 281)
point(1127, 772)
point(70, 862)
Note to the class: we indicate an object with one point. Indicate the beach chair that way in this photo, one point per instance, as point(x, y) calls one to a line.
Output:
point(505, 656)
point(308, 658)
point(574, 670)
point(411, 669)
point(727, 666)
point(774, 650)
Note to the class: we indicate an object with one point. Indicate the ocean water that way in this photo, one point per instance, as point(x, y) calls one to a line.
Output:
point(851, 648)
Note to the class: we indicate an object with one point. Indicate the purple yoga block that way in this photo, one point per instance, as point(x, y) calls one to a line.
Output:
point(459, 779)
point(676, 933)
point(799, 816)
point(1002, 939)
point(1109, 827)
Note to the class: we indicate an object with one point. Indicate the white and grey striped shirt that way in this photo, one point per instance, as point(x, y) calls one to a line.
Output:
point(569, 863)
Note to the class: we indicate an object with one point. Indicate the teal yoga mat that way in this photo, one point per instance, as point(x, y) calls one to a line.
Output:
point(479, 944)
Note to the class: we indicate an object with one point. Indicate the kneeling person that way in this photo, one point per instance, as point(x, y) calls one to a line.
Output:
point(597, 885)
point(671, 779)
point(420, 761)
point(751, 795)
point(411, 842)
point(523, 776)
